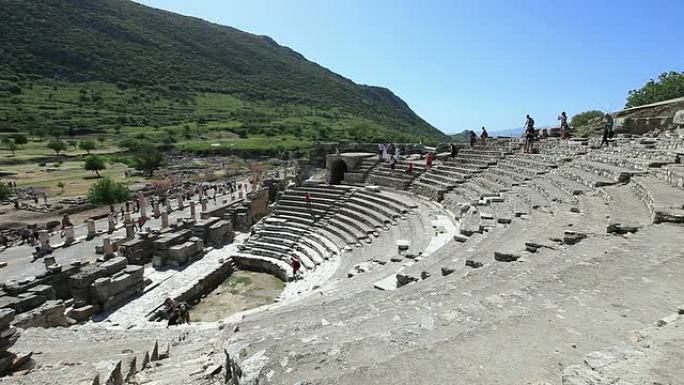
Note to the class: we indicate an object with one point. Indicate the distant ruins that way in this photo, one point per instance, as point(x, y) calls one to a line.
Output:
point(488, 266)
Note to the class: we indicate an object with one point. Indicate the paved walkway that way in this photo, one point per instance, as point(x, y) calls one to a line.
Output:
point(19, 258)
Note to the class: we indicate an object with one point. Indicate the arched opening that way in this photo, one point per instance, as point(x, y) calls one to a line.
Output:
point(337, 170)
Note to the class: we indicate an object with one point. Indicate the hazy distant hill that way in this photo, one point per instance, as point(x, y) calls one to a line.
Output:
point(90, 65)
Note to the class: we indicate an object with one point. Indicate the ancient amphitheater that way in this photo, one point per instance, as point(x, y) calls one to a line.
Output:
point(490, 267)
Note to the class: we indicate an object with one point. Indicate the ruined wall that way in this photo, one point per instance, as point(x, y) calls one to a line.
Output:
point(654, 118)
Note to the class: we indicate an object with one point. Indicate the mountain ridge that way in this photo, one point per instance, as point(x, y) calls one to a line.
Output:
point(132, 45)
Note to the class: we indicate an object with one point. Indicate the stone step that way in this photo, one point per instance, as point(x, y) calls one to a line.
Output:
point(665, 202)
point(586, 178)
point(628, 212)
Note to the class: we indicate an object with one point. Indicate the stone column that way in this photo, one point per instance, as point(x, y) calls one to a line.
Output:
point(111, 224)
point(164, 220)
point(193, 212)
point(143, 206)
point(69, 237)
point(43, 238)
point(157, 213)
point(128, 206)
point(240, 194)
point(168, 206)
point(127, 217)
point(180, 202)
point(107, 247)
point(130, 231)
point(204, 205)
point(91, 229)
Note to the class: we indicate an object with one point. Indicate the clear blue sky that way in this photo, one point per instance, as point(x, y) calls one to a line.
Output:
point(464, 64)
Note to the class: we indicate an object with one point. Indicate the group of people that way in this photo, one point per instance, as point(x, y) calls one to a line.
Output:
point(531, 133)
point(176, 313)
point(473, 138)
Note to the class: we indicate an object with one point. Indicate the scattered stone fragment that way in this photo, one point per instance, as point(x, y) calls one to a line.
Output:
point(505, 256)
point(571, 237)
point(473, 264)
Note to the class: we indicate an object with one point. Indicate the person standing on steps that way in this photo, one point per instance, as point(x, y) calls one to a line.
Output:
point(393, 162)
point(484, 136)
point(607, 129)
point(307, 200)
point(409, 167)
point(294, 262)
point(428, 160)
point(453, 150)
point(563, 117)
point(473, 138)
point(529, 133)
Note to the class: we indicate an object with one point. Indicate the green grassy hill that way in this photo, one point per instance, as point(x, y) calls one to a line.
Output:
point(74, 67)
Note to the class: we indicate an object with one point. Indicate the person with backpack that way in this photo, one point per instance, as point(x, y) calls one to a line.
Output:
point(529, 133)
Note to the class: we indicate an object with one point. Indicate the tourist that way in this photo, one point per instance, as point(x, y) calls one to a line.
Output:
point(294, 262)
point(607, 129)
point(563, 125)
point(428, 160)
point(393, 162)
point(307, 200)
point(123, 212)
point(529, 133)
point(66, 222)
point(473, 138)
point(409, 168)
point(453, 150)
point(397, 153)
point(484, 135)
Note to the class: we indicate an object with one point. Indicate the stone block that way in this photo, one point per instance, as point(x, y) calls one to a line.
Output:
point(45, 290)
point(28, 301)
point(50, 314)
point(136, 271)
point(86, 277)
point(505, 256)
point(83, 313)
point(8, 338)
point(6, 317)
point(114, 265)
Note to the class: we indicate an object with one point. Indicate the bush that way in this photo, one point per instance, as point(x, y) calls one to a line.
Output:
point(148, 158)
point(106, 191)
point(582, 119)
point(5, 191)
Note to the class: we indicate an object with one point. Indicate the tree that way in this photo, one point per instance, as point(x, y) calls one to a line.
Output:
point(101, 139)
point(87, 145)
point(5, 191)
point(148, 158)
point(106, 191)
point(582, 119)
point(20, 139)
point(57, 146)
point(60, 184)
point(12, 146)
point(669, 85)
point(94, 163)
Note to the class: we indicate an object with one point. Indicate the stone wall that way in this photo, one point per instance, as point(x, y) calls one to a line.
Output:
point(104, 287)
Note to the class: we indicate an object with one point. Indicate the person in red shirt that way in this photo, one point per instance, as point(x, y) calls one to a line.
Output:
point(428, 160)
point(409, 168)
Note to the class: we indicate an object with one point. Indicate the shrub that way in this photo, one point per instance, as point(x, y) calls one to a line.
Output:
point(669, 85)
point(106, 191)
point(5, 191)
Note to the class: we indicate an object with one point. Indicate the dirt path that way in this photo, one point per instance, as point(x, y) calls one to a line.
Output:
point(241, 291)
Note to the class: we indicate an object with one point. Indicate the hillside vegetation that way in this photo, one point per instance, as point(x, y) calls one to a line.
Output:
point(72, 67)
